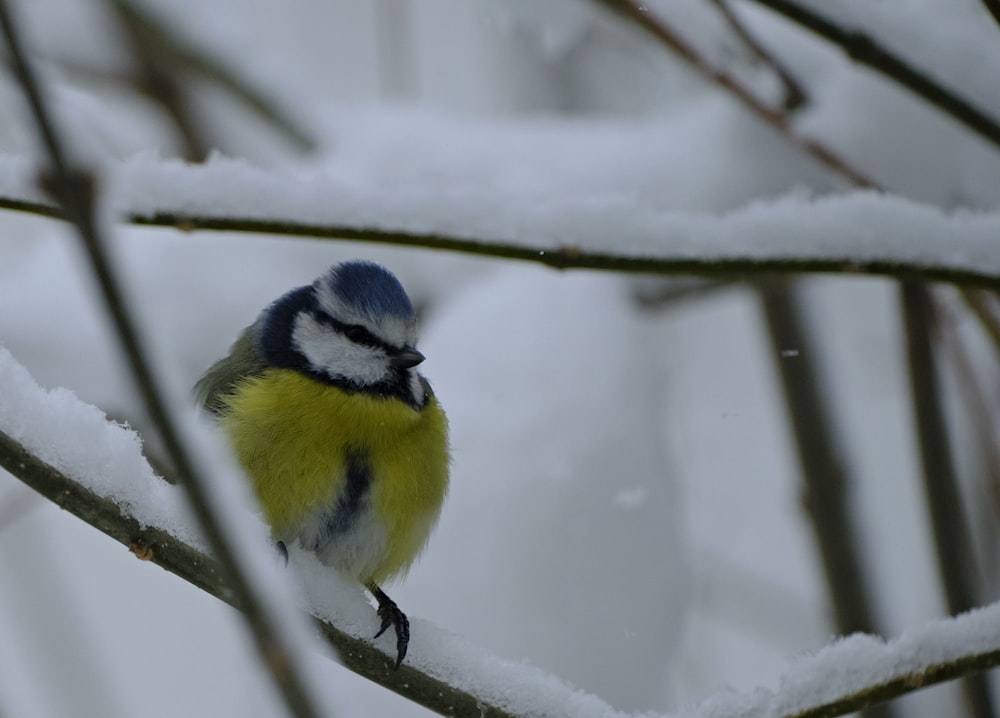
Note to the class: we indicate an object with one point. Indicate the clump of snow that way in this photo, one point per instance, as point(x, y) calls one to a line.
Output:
point(79, 440)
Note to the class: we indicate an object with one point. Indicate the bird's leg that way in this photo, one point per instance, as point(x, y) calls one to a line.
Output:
point(390, 614)
point(282, 550)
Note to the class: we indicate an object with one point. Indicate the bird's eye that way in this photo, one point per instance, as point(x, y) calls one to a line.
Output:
point(356, 333)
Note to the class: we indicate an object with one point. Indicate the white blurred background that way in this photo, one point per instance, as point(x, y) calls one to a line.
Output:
point(626, 502)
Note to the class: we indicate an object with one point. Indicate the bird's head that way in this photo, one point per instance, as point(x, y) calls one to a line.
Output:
point(354, 327)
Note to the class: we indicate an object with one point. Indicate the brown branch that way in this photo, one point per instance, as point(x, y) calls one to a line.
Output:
point(826, 479)
point(154, 544)
point(172, 50)
point(983, 306)
point(75, 191)
point(795, 94)
point(640, 15)
point(866, 51)
point(566, 257)
point(944, 502)
point(993, 8)
point(165, 550)
point(158, 77)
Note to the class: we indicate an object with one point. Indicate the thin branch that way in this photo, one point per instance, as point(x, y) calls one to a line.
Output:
point(74, 190)
point(795, 94)
point(165, 550)
point(864, 50)
point(993, 8)
point(182, 55)
point(826, 480)
point(157, 546)
point(157, 77)
point(944, 502)
point(639, 14)
point(982, 305)
point(977, 401)
point(565, 257)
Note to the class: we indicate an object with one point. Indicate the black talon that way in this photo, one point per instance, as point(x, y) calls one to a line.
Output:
point(282, 551)
point(390, 614)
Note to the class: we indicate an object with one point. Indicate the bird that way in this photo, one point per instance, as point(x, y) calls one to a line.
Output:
point(344, 442)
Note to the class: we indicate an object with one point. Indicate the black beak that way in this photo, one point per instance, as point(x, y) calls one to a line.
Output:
point(406, 357)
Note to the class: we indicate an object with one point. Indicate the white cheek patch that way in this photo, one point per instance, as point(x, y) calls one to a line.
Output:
point(333, 354)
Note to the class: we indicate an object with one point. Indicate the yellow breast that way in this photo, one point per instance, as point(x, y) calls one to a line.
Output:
point(291, 434)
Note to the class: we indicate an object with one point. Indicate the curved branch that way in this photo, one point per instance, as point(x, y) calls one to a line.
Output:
point(165, 550)
point(639, 14)
point(864, 50)
point(559, 257)
point(74, 190)
point(153, 544)
point(993, 7)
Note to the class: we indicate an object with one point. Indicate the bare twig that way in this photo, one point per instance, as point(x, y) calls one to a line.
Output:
point(826, 480)
point(993, 8)
point(180, 55)
point(167, 551)
point(951, 539)
point(74, 190)
point(795, 94)
point(157, 77)
point(639, 14)
point(977, 399)
point(863, 49)
point(557, 257)
point(983, 306)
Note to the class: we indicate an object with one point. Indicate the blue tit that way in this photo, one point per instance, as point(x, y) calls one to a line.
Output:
point(343, 440)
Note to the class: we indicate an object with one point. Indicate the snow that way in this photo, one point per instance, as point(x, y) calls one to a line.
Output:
point(625, 508)
point(849, 228)
point(106, 457)
point(78, 440)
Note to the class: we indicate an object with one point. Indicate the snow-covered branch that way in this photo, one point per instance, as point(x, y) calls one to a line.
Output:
point(160, 546)
point(858, 232)
point(113, 489)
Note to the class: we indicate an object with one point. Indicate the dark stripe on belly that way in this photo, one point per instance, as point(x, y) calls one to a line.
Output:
point(341, 517)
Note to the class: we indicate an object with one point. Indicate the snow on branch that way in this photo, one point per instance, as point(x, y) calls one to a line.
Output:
point(68, 451)
point(855, 232)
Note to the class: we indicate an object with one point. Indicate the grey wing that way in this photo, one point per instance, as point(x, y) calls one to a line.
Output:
point(243, 361)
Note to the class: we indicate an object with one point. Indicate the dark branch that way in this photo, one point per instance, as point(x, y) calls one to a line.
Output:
point(640, 15)
point(75, 191)
point(944, 502)
point(795, 94)
point(566, 257)
point(866, 51)
point(826, 480)
point(165, 550)
point(993, 8)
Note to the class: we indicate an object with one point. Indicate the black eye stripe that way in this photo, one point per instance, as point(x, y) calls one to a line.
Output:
point(355, 332)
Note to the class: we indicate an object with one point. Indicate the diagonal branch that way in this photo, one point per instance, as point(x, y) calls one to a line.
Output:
point(75, 191)
point(864, 50)
point(639, 14)
point(168, 48)
point(189, 563)
point(993, 8)
point(795, 94)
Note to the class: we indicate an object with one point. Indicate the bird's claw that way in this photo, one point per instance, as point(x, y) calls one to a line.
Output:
point(391, 615)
